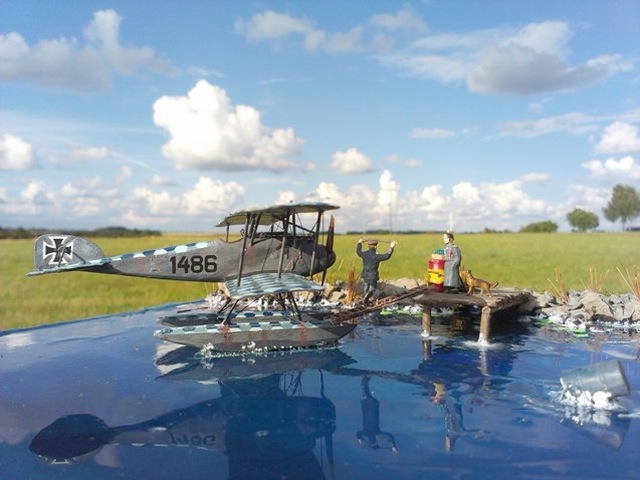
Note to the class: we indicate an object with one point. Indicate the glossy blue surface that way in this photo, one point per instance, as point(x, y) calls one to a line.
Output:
point(102, 399)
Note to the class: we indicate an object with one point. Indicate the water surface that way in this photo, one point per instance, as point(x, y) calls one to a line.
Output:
point(102, 398)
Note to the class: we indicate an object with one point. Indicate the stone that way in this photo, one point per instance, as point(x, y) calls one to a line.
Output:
point(596, 304)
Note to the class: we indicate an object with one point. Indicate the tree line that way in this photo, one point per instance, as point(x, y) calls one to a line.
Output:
point(21, 233)
point(624, 205)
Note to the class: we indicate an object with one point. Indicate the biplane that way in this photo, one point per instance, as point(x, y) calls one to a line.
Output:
point(273, 239)
point(271, 258)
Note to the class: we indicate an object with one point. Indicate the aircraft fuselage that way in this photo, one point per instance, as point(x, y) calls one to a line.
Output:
point(218, 260)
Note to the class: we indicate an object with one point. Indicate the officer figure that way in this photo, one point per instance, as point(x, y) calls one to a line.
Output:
point(370, 263)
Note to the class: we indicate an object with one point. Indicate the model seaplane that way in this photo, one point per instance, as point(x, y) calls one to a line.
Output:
point(273, 240)
point(271, 258)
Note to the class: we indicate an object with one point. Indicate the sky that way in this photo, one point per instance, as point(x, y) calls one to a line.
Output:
point(417, 115)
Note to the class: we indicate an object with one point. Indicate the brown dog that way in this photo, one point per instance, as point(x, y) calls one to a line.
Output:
point(473, 283)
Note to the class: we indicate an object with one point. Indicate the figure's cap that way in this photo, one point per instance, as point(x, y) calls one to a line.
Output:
point(372, 243)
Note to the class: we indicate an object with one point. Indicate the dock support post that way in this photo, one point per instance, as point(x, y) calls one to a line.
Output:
point(426, 350)
point(426, 321)
point(485, 324)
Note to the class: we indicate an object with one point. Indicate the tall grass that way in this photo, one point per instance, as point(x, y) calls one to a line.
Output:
point(521, 260)
point(515, 260)
point(631, 280)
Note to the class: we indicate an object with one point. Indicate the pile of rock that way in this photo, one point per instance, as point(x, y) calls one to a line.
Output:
point(587, 306)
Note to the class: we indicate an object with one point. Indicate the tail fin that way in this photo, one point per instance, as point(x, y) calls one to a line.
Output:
point(58, 252)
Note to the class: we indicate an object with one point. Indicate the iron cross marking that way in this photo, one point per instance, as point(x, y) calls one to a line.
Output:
point(61, 252)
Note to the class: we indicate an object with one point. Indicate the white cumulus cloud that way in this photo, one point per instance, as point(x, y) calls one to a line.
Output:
point(404, 19)
point(619, 137)
point(466, 193)
point(575, 123)
point(520, 70)
point(207, 197)
point(208, 132)
point(530, 59)
point(274, 26)
point(351, 161)
point(35, 197)
point(535, 177)
point(625, 168)
point(70, 63)
point(388, 193)
point(16, 153)
point(210, 195)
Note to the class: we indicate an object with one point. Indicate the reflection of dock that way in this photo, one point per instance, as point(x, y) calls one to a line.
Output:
point(503, 299)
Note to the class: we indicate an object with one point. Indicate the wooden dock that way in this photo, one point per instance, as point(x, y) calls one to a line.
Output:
point(500, 299)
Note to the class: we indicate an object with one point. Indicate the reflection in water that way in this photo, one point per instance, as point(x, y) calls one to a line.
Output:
point(606, 428)
point(185, 363)
point(456, 373)
point(260, 425)
point(264, 425)
point(371, 436)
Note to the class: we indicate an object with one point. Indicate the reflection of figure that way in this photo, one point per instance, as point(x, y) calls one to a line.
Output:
point(452, 416)
point(370, 263)
point(371, 435)
point(459, 377)
point(452, 259)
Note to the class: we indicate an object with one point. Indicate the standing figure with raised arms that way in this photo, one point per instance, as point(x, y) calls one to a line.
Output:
point(370, 262)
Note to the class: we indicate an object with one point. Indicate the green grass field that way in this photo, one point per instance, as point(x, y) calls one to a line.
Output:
point(512, 259)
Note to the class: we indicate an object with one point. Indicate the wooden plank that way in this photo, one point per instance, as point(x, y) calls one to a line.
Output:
point(499, 300)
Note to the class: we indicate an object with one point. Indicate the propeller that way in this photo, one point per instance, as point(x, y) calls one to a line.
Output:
point(329, 244)
point(330, 234)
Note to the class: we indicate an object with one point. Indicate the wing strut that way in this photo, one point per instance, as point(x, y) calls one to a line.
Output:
point(285, 228)
point(244, 246)
point(328, 245)
point(315, 244)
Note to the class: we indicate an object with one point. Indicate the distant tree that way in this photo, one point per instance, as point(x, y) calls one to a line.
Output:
point(624, 205)
point(582, 220)
point(540, 227)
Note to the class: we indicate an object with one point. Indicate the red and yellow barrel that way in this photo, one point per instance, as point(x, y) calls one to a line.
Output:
point(435, 270)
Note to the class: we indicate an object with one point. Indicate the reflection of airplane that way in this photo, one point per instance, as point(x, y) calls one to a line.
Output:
point(264, 425)
point(183, 363)
point(273, 240)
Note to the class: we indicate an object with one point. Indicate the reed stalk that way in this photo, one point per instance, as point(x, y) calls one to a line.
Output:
point(352, 286)
point(558, 287)
point(632, 280)
point(596, 280)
